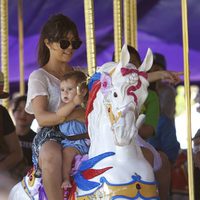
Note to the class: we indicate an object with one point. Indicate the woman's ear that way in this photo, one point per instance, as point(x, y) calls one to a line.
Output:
point(46, 41)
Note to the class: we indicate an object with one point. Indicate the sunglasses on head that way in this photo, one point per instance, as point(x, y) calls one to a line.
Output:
point(64, 44)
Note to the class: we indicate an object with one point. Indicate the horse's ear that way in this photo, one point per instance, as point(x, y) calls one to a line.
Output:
point(125, 56)
point(148, 61)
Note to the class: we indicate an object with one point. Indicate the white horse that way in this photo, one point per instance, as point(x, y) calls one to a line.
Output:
point(116, 167)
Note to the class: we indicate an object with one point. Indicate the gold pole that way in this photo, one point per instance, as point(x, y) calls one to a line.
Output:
point(117, 15)
point(133, 23)
point(21, 47)
point(90, 37)
point(4, 47)
point(187, 92)
point(127, 27)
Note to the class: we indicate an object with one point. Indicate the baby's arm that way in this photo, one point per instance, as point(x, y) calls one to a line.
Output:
point(66, 109)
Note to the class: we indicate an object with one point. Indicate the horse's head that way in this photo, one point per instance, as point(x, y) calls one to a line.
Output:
point(123, 90)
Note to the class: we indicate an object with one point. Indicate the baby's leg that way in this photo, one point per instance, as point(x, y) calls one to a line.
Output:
point(68, 155)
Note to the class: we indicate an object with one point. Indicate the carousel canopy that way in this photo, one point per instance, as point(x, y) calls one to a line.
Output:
point(159, 27)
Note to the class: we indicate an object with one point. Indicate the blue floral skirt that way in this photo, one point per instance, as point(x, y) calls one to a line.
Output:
point(44, 135)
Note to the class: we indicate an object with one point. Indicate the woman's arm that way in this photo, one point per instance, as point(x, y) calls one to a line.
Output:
point(169, 76)
point(15, 154)
point(43, 116)
point(47, 118)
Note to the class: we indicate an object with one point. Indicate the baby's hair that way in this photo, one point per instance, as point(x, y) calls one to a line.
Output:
point(78, 76)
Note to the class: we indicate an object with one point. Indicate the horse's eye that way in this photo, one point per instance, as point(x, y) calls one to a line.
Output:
point(115, 94)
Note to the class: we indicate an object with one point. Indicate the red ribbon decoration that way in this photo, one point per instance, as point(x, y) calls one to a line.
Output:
point(126, 71)
point(133, 88)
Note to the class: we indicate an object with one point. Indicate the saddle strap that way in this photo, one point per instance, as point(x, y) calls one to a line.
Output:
point(77, 137)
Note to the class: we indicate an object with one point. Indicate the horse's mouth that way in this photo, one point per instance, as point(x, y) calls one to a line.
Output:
point(126, 108)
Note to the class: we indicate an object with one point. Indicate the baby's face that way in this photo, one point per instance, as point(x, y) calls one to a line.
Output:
point(68, 90)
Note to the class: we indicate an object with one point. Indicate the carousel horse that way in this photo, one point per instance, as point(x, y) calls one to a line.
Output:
point(116, 167)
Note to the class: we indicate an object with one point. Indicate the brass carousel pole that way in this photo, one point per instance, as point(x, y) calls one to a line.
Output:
point(130, 22)
point(187, 92)
point(127, 27)
point(90, 37)
point(117, 16)
point(4, 47)
point(133, 23)
point(21, 47)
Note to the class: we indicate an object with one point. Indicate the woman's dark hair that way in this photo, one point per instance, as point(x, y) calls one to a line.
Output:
point(56, 28)
point(17, 101)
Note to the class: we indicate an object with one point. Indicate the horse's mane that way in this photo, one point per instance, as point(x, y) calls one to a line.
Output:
point(92, 96)
point(94, 85)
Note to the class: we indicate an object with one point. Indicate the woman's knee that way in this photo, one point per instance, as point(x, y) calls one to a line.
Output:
point(50, 155)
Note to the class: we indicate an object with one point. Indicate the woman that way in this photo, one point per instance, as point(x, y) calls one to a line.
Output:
point(58, 40)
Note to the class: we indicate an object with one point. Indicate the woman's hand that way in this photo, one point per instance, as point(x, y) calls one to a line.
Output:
point(77, 114)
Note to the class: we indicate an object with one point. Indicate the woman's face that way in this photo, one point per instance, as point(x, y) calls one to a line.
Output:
point(59, 54)
point(22, 118)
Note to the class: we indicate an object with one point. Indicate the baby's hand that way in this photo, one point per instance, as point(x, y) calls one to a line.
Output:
point(81, 92)
point(78, 99)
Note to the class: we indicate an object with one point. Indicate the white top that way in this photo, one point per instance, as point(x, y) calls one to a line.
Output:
point(42, 83)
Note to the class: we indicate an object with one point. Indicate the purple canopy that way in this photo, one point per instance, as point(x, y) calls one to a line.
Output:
point(159, 28)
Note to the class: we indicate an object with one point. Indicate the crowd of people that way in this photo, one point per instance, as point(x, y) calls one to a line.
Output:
point(54, 103)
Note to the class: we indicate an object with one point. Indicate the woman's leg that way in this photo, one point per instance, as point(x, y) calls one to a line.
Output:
point(148, 155)
point(163, 177)
point(50, 162)
point(68, 155)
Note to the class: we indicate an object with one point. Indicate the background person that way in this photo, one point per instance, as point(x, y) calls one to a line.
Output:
point(23, 121)
point(151, 109)
point(10, 150)
point(196, 156)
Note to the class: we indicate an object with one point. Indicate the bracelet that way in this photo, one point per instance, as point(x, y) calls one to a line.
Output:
point(196, 149)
